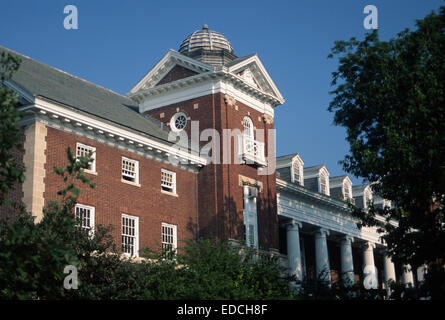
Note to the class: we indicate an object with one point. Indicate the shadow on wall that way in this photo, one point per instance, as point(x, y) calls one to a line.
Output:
point(228, 222)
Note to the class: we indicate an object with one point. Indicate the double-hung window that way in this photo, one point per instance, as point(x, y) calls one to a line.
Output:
point(85, 217)
point(130, 235)
point(169, 237)
point(168, 181)
point(130, 170)
point(83, 150)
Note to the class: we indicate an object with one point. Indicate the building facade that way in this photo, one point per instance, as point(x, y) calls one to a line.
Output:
point(189, 153)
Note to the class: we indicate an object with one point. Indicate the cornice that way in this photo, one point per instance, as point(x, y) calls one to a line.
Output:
point(209, 77)
point(59, 112)
point(313, 196)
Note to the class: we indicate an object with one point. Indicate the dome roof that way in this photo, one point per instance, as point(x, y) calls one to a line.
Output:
point(205, 39)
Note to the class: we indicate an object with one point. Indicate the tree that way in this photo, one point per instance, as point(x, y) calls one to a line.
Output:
point(33, 256)
point(390, 96)
point(10, 170)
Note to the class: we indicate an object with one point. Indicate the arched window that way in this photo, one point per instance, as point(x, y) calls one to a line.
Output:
point(323, 184)
point(367, 197)
point(248, 127)
point(296, 172)
point(346, 190)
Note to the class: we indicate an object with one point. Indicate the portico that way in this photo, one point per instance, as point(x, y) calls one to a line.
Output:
point(318, 228)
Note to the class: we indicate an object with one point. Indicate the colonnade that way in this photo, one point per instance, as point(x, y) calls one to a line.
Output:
point(322, 266)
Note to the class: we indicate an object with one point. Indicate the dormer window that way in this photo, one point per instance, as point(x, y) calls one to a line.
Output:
point(297, 172)
point(367, 198)
point(347, 190)
point(386, 203)
point(324, 187)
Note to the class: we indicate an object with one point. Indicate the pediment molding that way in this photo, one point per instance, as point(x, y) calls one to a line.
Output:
point(171, 59)
point(262, 89)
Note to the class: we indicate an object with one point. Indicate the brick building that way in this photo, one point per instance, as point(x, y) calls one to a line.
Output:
point(190, 152)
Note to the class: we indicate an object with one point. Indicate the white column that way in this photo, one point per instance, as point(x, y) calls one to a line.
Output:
point(322, 268)
point(369, 269)
point(347, 265)
point(421, 272)
point(389, 271)
point(407, 276)
point(293, 249)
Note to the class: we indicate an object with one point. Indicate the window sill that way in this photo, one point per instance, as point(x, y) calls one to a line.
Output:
point(169, 193)
point(94, 173)
point(131, 183)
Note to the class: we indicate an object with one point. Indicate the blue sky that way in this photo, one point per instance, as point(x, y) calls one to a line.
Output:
point(119, 41)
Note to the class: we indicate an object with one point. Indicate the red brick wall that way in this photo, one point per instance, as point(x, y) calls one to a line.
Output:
point(176, 73)
point(220, 196)
point(111, 197)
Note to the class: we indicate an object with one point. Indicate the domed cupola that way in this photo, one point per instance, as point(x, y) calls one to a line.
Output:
point(208, 46)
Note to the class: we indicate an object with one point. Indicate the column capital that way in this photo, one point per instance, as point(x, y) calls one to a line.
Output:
point(321, 232)
point(368, 245)
point(293, 225)
point(347, 238)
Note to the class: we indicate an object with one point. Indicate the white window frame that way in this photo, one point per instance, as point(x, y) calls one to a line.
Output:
point(136, 171)
point(248, 129)
point(164, 184)
point(173, 120)
point(347, 190)
point(90, 228)
point(367, 198)
point(174, 236)
point(87, 148)
point(326, 183)
point(296, 165)
point(128, 234)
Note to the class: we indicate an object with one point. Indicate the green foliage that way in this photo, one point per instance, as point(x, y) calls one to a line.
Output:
point(33, 256)
point(10, 171)
point(390, 96)
point(210, 269)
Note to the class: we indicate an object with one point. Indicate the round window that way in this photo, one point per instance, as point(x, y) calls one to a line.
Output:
point(178, 122)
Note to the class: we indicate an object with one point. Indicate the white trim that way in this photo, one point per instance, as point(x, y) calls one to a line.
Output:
point(75, 116)
point(92, 217)
point(136, 233)
point(326, 180)
point(174, 235)
point(174, 57)
point(173, 121)
point(255, 59)
point(300, 173)
point(173, 182)
point(211, 86)
point(248, 124)
point(93, 157)
point(136, 171)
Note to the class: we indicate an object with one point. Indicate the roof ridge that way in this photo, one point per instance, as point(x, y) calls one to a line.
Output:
point(67, 73)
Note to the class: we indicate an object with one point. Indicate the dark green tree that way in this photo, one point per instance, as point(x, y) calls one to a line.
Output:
point(11, 171)
point(390, 96)
point(33, 256)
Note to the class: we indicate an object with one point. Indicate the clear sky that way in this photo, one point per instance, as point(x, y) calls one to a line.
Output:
point(117, 42)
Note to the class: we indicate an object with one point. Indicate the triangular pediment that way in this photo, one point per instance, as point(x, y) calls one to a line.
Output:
point(176, 73)
point(173, 66)
point(251, 70)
